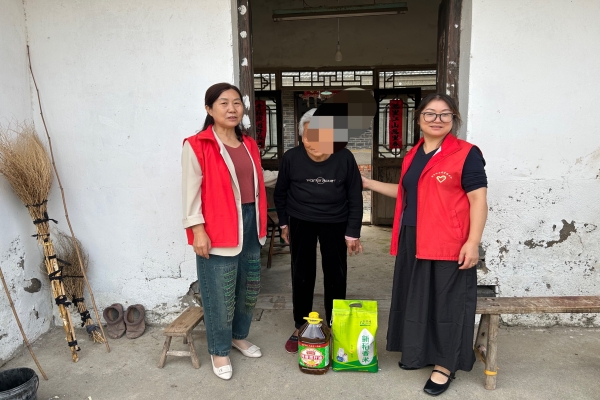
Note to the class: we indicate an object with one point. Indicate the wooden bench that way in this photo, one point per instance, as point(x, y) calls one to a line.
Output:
point(182, 327)
point(490, 308)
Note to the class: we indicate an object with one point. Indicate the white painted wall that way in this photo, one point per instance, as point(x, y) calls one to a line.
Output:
point(533, 110)
point(122, 83)
point(19, 256)
point(403, 39)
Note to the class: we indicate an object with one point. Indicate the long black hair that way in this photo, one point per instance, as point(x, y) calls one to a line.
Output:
point(456, 120)
point(212, 94)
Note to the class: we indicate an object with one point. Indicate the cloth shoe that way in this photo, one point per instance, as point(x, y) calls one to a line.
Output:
point(253, 351)
point(291, 346)
point(135, 321)
point(115, 324)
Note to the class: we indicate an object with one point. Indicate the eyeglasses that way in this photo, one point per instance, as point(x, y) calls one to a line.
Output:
point(431, 117)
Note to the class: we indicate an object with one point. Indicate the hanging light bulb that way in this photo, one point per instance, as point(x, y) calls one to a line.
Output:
point(338, 52)
point(338, 49)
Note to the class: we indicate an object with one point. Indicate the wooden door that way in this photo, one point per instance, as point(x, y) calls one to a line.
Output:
point(448, 50)
point(386, 161)
point(273, 150)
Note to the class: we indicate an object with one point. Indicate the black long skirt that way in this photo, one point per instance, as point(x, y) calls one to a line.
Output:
point(432, 316)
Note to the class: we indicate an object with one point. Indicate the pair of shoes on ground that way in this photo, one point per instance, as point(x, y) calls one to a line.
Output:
point(432, 388)
point(120, 321)
point(225, 372)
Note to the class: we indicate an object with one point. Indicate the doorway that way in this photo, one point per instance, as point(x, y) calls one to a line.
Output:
point(292, 58)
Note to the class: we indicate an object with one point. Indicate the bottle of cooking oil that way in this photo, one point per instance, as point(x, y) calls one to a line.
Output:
point(313, 345)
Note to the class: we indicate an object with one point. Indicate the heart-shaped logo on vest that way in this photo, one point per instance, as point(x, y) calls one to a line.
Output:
point(441, 178)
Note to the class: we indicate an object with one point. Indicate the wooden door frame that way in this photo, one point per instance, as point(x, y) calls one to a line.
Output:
point(448, 54)
point(277, 97)
point(245, 62)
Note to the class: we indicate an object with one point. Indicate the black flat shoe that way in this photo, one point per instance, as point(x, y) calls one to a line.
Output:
point(435, 389)
point(407, 368)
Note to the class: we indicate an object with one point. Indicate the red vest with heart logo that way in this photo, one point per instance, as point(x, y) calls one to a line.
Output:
point(218, 201)
point(443, 211)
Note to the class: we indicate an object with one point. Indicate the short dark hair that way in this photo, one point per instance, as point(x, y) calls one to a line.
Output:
point(212, 95)
point(456, 120)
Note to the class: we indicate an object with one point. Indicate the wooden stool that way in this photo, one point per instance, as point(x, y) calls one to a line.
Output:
point(490, 308)
point(182, 327)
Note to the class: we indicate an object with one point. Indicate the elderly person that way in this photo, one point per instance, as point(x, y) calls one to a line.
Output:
point(224, 212)
point(318, 197)
point(441, 209)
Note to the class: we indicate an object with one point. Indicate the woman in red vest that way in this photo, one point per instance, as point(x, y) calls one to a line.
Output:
point(441, 210)
point(225, 208)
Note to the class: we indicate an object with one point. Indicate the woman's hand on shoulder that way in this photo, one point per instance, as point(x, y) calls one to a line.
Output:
point(469, 255)
point(354, 246)
point(202, 243)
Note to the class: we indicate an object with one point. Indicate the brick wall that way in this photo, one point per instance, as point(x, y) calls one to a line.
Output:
point(364, 141)
point(289, 131)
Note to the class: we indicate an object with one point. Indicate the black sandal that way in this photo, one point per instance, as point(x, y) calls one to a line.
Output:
point(435, 389)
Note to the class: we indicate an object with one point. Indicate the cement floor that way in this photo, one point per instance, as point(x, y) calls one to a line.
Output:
point(554, 363)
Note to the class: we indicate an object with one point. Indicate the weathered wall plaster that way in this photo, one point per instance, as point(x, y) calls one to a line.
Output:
point(19, 256)
point(402, 39)
point(122, 83)
point(532, 110)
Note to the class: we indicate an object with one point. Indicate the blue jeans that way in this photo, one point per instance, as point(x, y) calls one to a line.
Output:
point(229, 288)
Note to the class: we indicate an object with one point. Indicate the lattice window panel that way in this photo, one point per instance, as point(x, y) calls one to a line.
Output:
point(325, 79)
point(265, 81)
point(399, 79)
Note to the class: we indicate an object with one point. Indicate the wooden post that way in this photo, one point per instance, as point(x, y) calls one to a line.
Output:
point(12, 306)
point(449, 47)
point(163, 353)
point(193, 355)
point(246, 65)
point(491, 366)
point(482, 335)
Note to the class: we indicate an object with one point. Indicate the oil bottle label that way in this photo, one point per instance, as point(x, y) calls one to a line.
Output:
point(313, 355)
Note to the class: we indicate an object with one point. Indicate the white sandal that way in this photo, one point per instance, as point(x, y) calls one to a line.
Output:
point(253, 351)
point(223, 372)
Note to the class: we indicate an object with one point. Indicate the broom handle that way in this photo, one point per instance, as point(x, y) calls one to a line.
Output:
point(12, 306)
point(59, 290)
point(62, 193)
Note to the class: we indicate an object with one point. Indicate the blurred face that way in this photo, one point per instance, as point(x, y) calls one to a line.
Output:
point(436, 119)
point(317, 142)
point(228, 110)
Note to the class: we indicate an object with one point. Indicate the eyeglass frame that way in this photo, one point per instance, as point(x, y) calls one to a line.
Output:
point(438, 115)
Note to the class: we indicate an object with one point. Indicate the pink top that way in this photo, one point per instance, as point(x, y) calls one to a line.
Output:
point(244, 171)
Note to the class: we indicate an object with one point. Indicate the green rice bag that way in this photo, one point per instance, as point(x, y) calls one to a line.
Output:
point(353, 332)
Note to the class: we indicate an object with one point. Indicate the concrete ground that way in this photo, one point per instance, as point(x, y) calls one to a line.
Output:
point(554, 363)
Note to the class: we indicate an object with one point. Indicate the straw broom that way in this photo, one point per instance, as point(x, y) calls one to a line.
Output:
point(64, 201)
point(73, 281)
point(25, 164)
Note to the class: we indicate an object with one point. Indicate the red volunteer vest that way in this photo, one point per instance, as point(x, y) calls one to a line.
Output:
point(443, 210)
point(218, 201)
